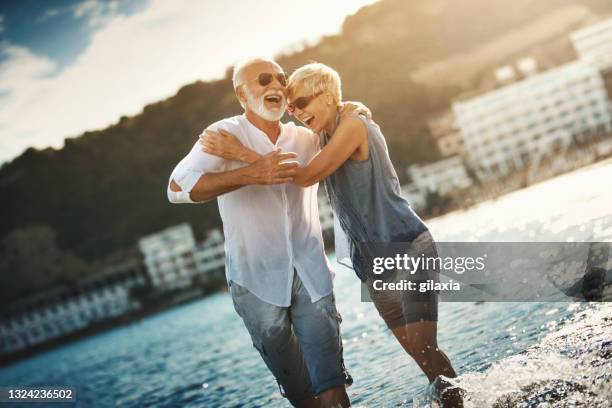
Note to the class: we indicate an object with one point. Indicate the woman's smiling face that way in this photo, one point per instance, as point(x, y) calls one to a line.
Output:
point(313, 110)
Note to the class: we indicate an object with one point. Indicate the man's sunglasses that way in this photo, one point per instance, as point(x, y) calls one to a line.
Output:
point(301, 103)
point(266, 78)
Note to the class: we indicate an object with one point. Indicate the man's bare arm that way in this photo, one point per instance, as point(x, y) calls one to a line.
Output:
point(269, 169)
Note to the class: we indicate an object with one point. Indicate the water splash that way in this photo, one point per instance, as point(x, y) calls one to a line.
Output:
point(571, 367)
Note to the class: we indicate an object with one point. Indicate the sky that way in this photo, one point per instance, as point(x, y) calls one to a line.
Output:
point(68, 66)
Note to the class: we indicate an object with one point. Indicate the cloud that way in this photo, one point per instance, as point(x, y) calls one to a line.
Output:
point(139, 59)
point(22, 80)
point(97, 12)
point(19, 66)
point(49, 14)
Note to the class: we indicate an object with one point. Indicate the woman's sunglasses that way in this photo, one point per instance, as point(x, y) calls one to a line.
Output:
point(301, 103)
point(266, 78)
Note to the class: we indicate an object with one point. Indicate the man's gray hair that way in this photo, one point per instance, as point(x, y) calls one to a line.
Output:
point(237, 77)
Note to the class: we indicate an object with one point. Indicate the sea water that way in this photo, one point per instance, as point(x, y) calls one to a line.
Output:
point(507, 354)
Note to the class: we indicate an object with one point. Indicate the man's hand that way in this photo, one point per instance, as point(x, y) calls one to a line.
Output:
point(273, 168)
point(226, 145)
point(349, 108)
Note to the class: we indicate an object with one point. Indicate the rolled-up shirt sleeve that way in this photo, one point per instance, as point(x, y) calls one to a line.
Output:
point(189, 170)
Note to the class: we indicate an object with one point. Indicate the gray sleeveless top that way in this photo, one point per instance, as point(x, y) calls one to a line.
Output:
point(365, 196)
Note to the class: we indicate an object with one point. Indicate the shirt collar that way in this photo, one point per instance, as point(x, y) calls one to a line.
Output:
point(261, 133)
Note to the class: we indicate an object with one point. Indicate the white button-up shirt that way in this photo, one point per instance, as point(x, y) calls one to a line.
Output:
point(269, 230)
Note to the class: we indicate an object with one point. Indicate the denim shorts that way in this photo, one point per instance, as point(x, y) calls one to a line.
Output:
point(300, 344)
point(399, 308)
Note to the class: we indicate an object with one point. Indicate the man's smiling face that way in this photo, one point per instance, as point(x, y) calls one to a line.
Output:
point(263, 90)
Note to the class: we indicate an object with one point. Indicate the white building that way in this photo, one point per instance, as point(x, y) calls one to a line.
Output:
point(414, 195)
point(442, 176)
point(527, 66)
point(61, 311)
point(505, 74)
point(505, 129)
point(594, 44)
point(445, 131)
point(169, 257)
point(210, 255)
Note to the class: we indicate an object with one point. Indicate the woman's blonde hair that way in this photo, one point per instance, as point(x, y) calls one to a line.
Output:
point(316, 77)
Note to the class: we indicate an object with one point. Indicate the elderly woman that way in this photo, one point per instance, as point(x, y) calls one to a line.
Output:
point(364, 192)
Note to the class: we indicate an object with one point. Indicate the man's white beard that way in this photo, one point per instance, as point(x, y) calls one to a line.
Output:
point(258, 106)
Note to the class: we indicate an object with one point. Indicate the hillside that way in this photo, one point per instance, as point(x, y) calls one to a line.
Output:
point(106, 188)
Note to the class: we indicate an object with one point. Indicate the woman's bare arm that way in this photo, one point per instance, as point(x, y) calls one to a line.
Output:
point(350, 134)
point(226, 145)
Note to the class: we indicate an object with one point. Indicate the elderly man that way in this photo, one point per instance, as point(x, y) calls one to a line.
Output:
point(279, 277)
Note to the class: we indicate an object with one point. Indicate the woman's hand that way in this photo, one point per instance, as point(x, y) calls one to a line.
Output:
point(226, 145)
point(350, 108)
